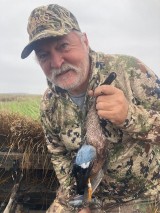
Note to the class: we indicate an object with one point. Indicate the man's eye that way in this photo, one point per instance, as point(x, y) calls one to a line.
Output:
point(42, 56)
point(64, 46)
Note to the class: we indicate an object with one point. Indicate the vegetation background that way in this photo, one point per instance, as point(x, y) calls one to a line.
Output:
point(22, 140)
point(22, 104)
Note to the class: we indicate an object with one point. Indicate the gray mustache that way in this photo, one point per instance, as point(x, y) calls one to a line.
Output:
point(63, 69)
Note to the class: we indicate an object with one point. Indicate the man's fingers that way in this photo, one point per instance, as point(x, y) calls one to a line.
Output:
point(111, 116)
point(105, 106)
point(111, 104)
point(90, 93)
point(104, 90)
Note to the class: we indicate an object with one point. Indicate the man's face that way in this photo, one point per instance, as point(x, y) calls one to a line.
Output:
point(65, 61)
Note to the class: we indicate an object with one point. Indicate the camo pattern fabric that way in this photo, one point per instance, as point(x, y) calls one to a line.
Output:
point(48, 21)
point(41, 19)
point(133, 151)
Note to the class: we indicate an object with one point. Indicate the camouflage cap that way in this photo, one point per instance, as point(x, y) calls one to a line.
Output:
point(48, 21)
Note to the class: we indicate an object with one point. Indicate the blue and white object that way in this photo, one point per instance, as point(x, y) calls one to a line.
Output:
point(85, 155)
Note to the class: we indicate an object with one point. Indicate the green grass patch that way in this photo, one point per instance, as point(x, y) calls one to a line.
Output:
point(26, 105)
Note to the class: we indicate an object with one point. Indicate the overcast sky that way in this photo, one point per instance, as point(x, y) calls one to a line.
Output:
point(129, 27)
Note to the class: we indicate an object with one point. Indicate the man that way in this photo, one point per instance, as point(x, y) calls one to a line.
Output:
point(121, 120)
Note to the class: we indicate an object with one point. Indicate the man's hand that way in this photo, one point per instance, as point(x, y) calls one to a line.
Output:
point(111, 103)
point(85, 210)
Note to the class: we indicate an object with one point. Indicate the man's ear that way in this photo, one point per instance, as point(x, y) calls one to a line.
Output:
point(85, 40)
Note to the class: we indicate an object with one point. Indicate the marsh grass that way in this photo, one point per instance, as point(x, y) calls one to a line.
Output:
point(153, 208)
point(26, 105)
point(20, 127)
point(22, 138)
point(21, 135)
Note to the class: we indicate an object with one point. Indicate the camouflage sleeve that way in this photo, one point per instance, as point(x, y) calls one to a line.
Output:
point(142, 89)
point(60, 160)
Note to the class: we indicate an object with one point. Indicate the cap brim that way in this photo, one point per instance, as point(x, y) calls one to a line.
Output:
point(46, 34)
point(27, 51)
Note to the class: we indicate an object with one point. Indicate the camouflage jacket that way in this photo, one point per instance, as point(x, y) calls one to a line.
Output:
point(133, 168)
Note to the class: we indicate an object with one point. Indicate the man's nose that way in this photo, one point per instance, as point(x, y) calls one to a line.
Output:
point(56, 60)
